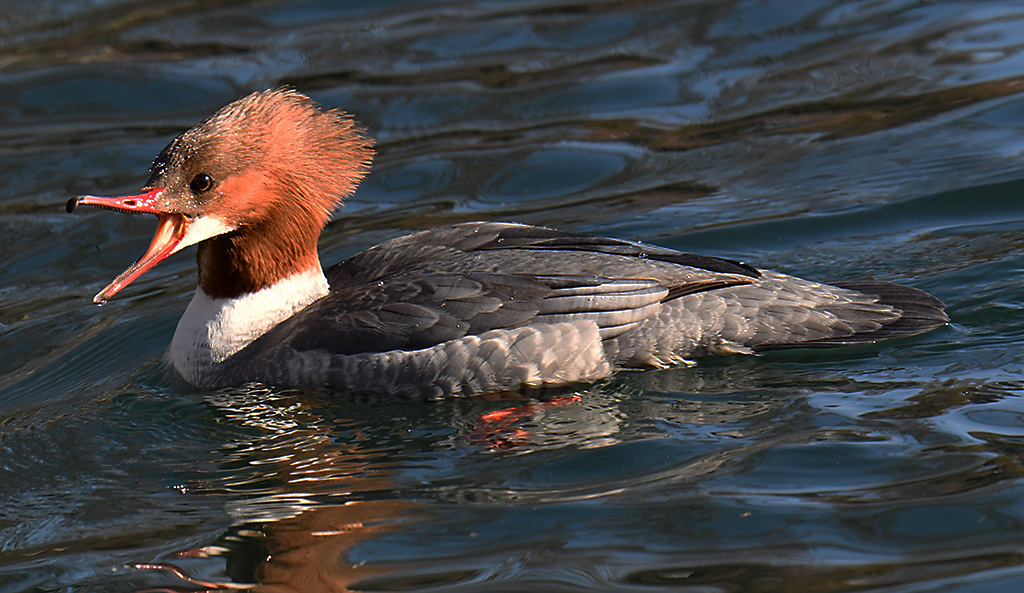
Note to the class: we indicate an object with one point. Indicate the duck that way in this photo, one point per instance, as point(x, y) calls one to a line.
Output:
point(454, 311)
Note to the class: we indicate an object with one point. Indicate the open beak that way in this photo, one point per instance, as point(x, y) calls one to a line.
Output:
point(171, 233)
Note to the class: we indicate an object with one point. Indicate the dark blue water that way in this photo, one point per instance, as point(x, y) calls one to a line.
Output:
point(859, 139)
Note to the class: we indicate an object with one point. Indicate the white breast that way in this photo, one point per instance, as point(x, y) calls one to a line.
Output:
point(212, 330)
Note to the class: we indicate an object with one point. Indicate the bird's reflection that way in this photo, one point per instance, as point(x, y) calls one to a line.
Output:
point(303, 491)
point(308, 481)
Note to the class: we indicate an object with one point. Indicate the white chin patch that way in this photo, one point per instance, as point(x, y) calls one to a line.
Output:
point(202, 229)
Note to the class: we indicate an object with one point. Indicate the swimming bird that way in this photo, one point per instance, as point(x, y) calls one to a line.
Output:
point(452, 311)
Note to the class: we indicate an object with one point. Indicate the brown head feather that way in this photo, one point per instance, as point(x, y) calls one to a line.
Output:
point(281, 166)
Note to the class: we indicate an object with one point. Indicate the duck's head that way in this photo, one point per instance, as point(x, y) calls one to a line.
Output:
point(260, 177)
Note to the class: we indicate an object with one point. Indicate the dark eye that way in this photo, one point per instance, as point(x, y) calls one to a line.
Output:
point(201, 183)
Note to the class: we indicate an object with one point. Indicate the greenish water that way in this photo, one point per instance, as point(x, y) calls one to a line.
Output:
point(834, 141)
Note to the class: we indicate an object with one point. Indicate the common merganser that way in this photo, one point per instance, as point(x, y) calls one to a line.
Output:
point(452, 311)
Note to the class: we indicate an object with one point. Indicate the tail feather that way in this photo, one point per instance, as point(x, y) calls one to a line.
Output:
point(919, 312)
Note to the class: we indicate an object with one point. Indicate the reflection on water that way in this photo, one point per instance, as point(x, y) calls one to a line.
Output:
point(833, 140)
point(325, 499)
point(296, 489)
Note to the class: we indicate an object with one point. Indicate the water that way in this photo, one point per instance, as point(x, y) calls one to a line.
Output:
point(830, 140)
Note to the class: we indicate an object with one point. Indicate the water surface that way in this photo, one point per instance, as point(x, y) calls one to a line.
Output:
point(832, 140)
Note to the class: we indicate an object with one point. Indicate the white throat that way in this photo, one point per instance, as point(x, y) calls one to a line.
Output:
point(212, 330)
